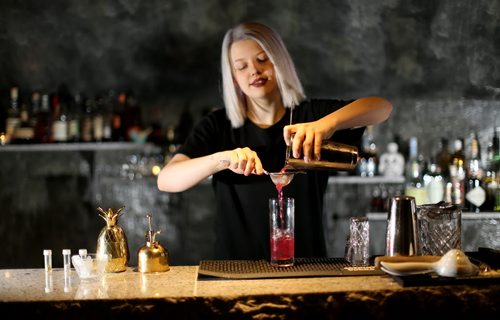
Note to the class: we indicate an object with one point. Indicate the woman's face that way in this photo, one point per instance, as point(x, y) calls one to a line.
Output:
point(253, 71)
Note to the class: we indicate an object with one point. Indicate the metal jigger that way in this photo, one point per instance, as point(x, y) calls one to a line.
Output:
point(402, 228)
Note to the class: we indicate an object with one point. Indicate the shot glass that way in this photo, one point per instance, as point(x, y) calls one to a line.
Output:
point(281, 222)
point(358, 241)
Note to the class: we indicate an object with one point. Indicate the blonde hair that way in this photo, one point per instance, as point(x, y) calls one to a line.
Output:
point(289, 84)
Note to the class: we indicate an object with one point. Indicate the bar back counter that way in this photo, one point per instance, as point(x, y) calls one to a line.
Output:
point(51, 193)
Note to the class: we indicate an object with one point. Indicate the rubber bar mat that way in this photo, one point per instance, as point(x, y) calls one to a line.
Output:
point(303, 267)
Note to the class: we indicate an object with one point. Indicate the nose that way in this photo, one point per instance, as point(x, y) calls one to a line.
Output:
point(255, 68)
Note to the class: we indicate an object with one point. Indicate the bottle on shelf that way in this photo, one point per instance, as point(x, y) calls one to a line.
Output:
point(369, 161)
point(475, 195)
point(491, 178)
point(98, 120)
point(87, 121)
point(60, 123)
point(24, 133)
point(36, 102)
point(43, 121)
point(434, 182)
point(455, 188)
point(117, 121)
point(443, 158)
point(107, 116)
point(74, 115)
point(13, 118)
point(496, 149)
point(414, 184)
point(171, 144)
point(133, 120)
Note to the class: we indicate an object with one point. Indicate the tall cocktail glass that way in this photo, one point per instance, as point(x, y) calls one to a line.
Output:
point(281, 222)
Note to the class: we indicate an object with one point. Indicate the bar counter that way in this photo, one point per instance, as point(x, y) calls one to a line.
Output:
point(179, 293)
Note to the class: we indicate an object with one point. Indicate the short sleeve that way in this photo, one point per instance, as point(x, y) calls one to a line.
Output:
point(206, 137)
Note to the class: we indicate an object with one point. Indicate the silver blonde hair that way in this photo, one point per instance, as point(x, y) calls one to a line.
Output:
point(289, 84)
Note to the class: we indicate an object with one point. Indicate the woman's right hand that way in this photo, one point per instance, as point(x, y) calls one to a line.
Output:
point(241, 161)
point(182, 172)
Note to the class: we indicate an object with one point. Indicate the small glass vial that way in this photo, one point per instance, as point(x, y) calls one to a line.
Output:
point(66, 259)
point(82, 253)
point(47, 260)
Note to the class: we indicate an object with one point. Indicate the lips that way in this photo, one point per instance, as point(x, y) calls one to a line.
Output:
point(259, 82)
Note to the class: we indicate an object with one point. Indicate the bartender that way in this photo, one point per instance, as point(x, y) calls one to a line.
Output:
point(238, 144)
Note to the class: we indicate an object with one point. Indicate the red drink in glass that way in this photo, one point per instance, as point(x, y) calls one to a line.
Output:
point(282, 249)
point(281, 218)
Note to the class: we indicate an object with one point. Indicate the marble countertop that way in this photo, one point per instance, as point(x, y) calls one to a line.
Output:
point(180, 281)
point(179, 291)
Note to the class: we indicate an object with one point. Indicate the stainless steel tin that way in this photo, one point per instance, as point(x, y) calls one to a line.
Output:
point(402, 227)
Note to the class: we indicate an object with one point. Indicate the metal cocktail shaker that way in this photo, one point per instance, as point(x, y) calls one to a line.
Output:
point(333, 155)
point(402, 227)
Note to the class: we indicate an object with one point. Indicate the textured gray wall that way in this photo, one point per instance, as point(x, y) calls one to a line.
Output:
point(168, 51)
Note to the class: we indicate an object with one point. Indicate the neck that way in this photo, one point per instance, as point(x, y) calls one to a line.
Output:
point(264, 112)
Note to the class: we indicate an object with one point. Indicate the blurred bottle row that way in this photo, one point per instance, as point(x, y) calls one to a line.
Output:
point(458, 172)
point(62, 117)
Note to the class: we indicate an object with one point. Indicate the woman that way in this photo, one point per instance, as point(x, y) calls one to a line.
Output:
point(237, 146)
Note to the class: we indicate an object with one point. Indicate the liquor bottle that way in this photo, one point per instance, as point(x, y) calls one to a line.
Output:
point(443, 158)
point(414, 184)
point(3, 116)
point(87, 121)
point(60, 124)
point(171, 144)
point(475, 195)
point(13, 115)
point(133, 121)
point(74, 112)
point(43, 121)
point(369, 154)
point(496, 149)
point(117, 122)
point(98, 120)
point(434, 182)
point(36, 102)
point(491, 179)
point(455, 188)
point(24, 133)
point(107, 116)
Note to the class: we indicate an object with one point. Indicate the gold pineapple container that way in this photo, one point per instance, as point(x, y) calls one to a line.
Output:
point(152, 257)
point(112, 241)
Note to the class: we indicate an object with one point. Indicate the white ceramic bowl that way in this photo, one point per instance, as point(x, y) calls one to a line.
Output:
point(91, 266)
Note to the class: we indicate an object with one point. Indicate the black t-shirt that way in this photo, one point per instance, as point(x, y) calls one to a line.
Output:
point(242, 221)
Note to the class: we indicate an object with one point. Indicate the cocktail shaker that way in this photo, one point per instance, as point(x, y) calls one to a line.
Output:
point(333, 155)
point(402, 227)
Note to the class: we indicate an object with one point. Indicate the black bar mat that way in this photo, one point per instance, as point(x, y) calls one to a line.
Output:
point(303, 267)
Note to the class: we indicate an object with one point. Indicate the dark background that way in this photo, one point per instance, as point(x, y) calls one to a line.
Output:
point(167, 52)
point(437, 61)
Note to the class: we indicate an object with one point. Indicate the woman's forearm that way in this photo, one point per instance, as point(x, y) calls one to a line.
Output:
point(182, 172)
point(359, 113)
